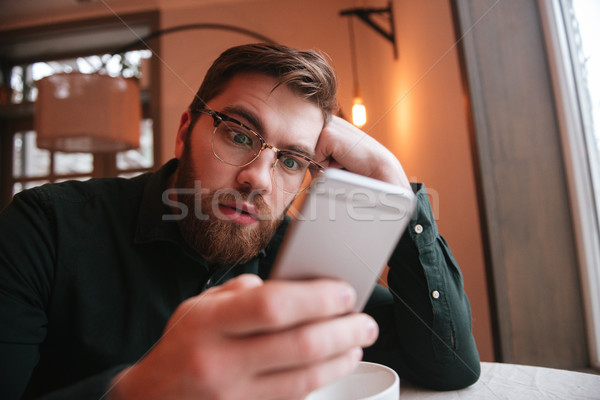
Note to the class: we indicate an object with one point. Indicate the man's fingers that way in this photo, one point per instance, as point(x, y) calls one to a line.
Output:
point(310, 343)
point(299, 382)
point(278, 305)
point(346, 146)
point(241, 282)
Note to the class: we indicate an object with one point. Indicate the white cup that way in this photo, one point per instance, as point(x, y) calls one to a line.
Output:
point(369, 381)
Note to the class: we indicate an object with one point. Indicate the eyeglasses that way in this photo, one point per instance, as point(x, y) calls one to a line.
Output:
point(235, 143)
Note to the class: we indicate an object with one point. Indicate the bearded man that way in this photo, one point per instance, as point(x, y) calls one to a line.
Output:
point(155, 287)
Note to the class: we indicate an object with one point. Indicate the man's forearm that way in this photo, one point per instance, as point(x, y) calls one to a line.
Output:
point(431, 311)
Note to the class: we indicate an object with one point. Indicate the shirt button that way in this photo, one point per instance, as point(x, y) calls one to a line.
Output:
point(418, 228)
point(435, 294)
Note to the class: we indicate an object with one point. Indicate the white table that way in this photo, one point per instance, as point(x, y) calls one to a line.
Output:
point(510, 381)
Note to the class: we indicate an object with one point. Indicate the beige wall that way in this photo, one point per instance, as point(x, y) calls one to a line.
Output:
point(415, 103)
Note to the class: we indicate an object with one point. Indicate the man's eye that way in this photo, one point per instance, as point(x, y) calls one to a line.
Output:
point(241, 138)
point(292, 164)
point(238, 137)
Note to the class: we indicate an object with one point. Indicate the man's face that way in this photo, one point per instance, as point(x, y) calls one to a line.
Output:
point(243, 205)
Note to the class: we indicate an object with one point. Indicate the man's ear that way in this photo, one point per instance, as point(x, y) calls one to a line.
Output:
point(182, 133)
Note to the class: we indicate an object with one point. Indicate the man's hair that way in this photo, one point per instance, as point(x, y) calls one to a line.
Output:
point(306, 73)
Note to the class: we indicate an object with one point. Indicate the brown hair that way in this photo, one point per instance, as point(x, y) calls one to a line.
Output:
point(306, 73)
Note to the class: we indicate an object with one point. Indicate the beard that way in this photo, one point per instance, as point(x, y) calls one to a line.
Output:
point(218, 239)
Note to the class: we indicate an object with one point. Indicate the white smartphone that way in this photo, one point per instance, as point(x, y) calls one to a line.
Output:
point(347, 228)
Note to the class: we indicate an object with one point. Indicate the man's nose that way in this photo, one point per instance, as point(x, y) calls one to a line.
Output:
point(257, 174)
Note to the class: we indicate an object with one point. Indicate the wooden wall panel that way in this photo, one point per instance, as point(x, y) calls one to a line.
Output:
point(531, 251)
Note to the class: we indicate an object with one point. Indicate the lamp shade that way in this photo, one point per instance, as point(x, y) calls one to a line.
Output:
point(87, 113)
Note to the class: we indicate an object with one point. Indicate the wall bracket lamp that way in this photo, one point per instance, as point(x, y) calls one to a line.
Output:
point(366, 15)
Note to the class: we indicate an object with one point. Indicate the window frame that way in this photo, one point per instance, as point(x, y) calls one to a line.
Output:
point(529, 242)
point(578, 167)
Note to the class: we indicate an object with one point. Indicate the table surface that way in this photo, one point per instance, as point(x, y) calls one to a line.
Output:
point(511, 381)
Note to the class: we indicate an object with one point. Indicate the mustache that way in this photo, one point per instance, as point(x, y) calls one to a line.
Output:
point(241, 198)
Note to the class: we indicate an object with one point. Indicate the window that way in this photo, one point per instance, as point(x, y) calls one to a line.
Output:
point(33, 166)
point(571, 29)
point(86, 46)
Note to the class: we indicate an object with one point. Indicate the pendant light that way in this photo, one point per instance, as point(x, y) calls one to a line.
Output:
point(359, 111)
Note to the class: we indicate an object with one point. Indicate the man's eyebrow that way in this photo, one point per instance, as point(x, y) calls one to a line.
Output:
point(252, 119)
point(255, 123)
point(302, 150)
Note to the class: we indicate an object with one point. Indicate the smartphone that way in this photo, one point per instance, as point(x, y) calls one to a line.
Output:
point(346, 228)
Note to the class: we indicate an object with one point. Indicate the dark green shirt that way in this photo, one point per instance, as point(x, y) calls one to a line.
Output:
point(90, 273)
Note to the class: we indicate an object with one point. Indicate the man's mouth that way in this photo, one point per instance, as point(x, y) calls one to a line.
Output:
point(243, 214)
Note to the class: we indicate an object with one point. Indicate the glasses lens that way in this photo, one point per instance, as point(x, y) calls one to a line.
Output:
point(234, 144)
point(292, 173)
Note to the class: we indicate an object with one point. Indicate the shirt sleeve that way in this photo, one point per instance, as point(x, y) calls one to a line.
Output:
point(27, 256)
point(424, 316)
point(24, 290)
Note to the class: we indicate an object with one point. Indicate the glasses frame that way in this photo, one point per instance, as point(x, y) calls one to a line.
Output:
point(219, 117)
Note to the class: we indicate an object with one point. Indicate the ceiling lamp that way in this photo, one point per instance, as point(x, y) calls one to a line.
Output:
point(87, 113)
point(359, 111)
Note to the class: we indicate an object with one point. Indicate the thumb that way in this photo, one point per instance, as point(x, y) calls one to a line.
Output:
point(241, 282)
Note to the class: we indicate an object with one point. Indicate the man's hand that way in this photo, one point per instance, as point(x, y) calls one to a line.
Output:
point(342, 145)
point(250, 339)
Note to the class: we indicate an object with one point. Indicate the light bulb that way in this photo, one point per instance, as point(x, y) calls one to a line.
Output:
point(359, 112)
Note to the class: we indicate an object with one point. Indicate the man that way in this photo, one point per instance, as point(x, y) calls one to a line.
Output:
point(154, 288)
